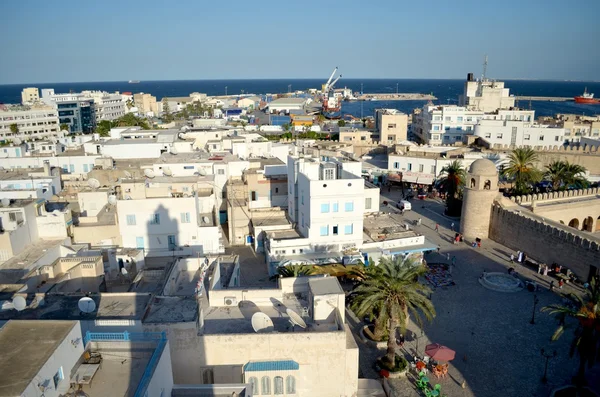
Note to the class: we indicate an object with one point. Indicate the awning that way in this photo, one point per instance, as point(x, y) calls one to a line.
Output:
point(281, 365)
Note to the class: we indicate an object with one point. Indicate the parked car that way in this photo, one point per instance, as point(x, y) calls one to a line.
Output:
point(404, 205)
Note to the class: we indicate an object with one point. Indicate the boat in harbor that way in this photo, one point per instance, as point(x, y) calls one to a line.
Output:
point(133, 81)
point(587, 97)
point(332, 104)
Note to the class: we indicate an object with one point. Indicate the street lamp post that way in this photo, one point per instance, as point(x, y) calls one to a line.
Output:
point(535, 302)
point(547, 356)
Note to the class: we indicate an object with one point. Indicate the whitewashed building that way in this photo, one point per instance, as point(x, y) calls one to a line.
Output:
point(486, 95)
point(445, 124)
point(109, 106)
point(32, 122)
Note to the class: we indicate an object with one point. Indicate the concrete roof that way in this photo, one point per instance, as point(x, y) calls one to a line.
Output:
point(288, 101)
point(325, 286)
point(25, 346)
point(172, 309)
point(18, 266)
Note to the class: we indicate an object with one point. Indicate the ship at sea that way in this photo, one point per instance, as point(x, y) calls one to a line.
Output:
point(332, 103)
point(587, 97)
point(133, 81)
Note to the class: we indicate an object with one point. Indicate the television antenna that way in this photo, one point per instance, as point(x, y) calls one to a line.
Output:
point(94, 183)
point(295, 318)
point(19, 303)
point(86, 305)
point(149, 173)
point(261, 323)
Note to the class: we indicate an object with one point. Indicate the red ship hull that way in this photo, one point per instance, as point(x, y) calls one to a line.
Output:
point(580, 99)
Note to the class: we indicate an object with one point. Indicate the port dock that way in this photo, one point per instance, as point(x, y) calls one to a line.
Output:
point(544, 98)
point(395, 97)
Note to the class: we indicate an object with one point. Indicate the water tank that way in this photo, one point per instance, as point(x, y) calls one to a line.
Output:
point(470, 77)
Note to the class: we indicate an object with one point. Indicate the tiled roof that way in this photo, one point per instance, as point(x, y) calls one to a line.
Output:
point(281, 365)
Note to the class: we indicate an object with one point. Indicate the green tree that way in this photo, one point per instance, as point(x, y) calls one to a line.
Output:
point(452, 179)
point(586, 340)
point(341, 123)
point(64, 127)
point(555, 173)
point(286, 127)
point(103, 127)
point(167, 117)
point(131, 120)
point(129, 104)
point(575, 176)
point(14, 128)
point(389, 293)
point(521, 169)
point(294, 271)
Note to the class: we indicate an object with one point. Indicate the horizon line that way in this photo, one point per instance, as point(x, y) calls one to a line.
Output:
point(301, 78)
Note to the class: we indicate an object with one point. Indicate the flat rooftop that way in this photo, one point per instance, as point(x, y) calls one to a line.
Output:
point(25, 346)
point(325, 286)
point(18, 266)
point(237, 319)
point(121, 306)
point(195, 157)
point(17, 174)
point(172, 309)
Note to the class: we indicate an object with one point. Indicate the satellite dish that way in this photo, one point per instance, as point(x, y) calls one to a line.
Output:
point(86, 305)
point(262, 323)
point(112, 199)
point(5, 202)
point(182, 135)
point(202, 171)
point(17, 141)
point(167, 171)
point(123, 271)
point(174, 150)
point(205, 219)
point(295, 318)
point(56, 212)
point(149, 173)
point(127, 174)
point(19, 303)
point(94, 183)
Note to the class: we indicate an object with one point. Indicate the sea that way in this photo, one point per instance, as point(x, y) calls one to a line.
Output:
point(447, 91)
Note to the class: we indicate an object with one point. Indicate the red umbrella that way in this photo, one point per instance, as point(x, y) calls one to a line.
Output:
point(439, 352)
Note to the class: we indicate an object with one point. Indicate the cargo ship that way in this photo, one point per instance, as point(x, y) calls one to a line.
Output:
point(332, 104)
point(133, 81)
point(588, 98)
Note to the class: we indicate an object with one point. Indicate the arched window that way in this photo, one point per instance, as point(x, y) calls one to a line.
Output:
point(278, 385)
point(574, 223)
point(265, 386)
point(487, 185)
point(290, 385)
point(472, 182)
point(254, 383)
point(208, 377)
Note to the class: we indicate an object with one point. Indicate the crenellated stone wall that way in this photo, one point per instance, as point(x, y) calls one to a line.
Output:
point(567, 194)
point(547, 242)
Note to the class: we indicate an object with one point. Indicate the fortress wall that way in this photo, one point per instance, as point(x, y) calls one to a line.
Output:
point(544, 242)
point(555, 196)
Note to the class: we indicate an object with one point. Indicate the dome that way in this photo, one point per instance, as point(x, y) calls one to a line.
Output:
point(483, 167)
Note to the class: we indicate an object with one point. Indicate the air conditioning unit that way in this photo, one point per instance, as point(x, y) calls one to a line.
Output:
point(230, 301)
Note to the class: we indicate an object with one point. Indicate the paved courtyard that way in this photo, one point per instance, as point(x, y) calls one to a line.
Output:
point(498, 351)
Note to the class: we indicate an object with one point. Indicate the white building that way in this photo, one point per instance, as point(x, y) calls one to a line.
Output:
point(109, 106)
point(54, 357)
point(517, 128)
point(392, 126)
point(285, 105)
point(30, 95)
point(485, 95)
point(23, 183)
point(32, 122)
point(445, 124)
point(135, 143)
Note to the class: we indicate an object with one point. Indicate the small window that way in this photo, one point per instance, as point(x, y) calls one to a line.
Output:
point(335, 207)
point(349, 206)
point(221, 171)
point(557, 138)
point(208, 377)
point(276, 190)
point(188, 167)
point(391, 125)
point(409, 166)
point(433, 169)
point(185, 217)
point(396, 165)
point(541, 137)
point(290, 384)
point(349, 229)
point(253, 196)
point(278, 385)
point(254, 384)
point(155, 219)
point(265, 385)
point(527, 137)
point(421, 167)
point(325, 208)
point(324, 231)
point(335, 231)
point(130, 220)
point(368, 203)
point(499, 136)
point(58, 377)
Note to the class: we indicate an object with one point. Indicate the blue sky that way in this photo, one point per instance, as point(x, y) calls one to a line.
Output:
point(70, 41)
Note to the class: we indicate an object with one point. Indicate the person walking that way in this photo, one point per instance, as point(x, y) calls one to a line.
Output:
point(437, 227)
point(452, 226)
point(512, 258)
point(545, 273)
point(539, 268)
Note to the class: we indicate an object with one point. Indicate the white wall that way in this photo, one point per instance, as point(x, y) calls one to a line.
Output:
point(525, 133)
point(161, 383)
point(66, 355)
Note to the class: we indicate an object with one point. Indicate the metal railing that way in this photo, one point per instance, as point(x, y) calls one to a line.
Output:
point(159, 337)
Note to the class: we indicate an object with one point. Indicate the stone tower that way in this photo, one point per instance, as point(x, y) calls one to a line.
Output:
point(481, 188)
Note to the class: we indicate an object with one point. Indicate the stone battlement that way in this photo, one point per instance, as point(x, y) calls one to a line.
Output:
point(578, 149)
point(530, 198)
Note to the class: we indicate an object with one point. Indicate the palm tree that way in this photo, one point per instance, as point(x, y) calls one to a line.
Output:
point(294, 271)
point(586, 341)
point(521, 169)
point(565, 174)
point(452, 178)
point(389, 293)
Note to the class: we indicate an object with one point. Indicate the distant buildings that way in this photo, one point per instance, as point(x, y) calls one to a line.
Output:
point(444, 124)
point(485, 95)
point(32, 122)
point(286, 105)
point(146, 104)
point(30, 95)
point(107, 106)
point(76, 111)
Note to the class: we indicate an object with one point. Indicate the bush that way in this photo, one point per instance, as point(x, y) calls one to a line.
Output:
point(400, 364)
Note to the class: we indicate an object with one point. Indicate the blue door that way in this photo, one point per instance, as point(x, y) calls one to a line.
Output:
point(172, 242)
point(139, 242)
point(222, 217)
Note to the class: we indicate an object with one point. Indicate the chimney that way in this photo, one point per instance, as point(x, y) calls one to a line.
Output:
point(47, 169)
